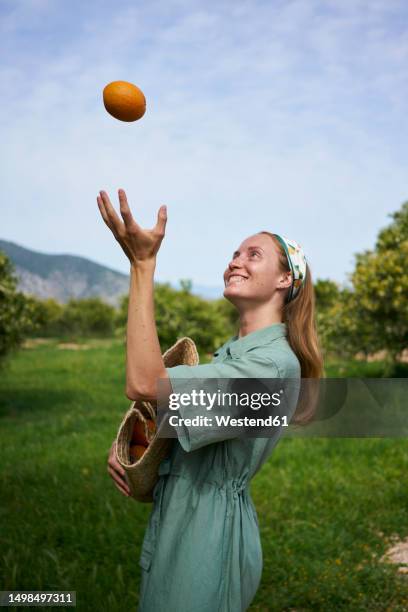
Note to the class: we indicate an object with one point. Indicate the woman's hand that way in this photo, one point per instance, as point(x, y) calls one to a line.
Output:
point(137, 243)
point(116, 472)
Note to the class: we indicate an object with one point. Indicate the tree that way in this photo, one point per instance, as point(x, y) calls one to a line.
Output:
point(86, 317)
point(326, 294)
point(179, 313)
point(229, 314)
point(380, 283)
point(373, 314)
point(15, 310)
point(47, 317)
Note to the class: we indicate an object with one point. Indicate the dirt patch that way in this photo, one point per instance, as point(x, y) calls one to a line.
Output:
point(398, 554)
point(33, 342)
point(70, 346)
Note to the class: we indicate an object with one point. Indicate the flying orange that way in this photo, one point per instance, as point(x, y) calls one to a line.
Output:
point(124, 101)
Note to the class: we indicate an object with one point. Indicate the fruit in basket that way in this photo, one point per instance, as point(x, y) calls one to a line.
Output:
point(151, 426)
point(136, 451)
point(138, 433)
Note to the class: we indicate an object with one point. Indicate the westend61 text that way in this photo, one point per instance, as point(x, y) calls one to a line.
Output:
point(208, 400)
point(227, 421)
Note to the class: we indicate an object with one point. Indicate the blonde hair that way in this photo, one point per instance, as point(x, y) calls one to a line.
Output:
point(300, 318)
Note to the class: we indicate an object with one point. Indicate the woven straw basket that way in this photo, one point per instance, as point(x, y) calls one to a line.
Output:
point(142, 475)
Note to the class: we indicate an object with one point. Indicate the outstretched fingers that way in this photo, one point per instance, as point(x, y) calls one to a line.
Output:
point(125, 211)
point(160, 227)
point(103, 211)
point(116, 224)
point(137, 243)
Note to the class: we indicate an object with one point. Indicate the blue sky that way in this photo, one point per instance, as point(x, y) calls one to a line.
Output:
point(282, 116)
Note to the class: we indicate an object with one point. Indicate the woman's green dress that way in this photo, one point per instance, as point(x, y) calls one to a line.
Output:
point(202, 551)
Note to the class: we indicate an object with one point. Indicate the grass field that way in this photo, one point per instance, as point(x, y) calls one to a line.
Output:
point(328, 508)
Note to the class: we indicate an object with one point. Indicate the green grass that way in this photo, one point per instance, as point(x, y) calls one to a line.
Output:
point(327, 507)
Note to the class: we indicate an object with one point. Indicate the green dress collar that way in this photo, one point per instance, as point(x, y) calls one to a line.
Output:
point(237, 346)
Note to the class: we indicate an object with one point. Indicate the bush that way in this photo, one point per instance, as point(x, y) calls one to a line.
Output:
point(87, 317)
point(15, 310)
point(47, 317)
point(179, 313)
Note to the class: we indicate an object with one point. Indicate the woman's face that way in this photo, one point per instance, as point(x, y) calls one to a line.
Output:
point(253, 272)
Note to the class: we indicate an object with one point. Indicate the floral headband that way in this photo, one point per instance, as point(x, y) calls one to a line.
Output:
point(297, 264)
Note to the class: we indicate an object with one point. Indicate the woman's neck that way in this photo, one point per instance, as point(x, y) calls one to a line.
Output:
point(259, 318)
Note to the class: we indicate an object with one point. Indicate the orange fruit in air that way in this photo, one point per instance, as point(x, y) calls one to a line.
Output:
point(136, 451)
point(124, 101)
point(138, 433)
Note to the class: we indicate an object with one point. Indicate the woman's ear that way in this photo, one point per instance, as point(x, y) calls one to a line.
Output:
point(285, 280)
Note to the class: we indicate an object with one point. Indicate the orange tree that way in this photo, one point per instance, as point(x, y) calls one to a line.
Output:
point(15, 310)
point(179, 313)
point(371, 314)
point(380, 282)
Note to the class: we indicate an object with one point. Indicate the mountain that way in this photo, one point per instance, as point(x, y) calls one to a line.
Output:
point(64, 276)
point(68, 276)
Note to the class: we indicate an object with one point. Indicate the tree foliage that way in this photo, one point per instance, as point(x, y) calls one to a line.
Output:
point(380, 282)
point(15, 310)
point(369, 315)
point(372, 315)
point(47, 317)
point(91, 316)
point(326, 294)
point(179, 313)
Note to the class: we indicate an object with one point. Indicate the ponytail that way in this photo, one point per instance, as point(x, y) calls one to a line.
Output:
point(300, 318)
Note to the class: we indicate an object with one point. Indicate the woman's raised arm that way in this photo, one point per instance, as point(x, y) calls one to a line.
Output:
point(144, 362)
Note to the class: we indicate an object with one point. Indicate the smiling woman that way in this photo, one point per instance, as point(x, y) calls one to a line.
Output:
point(202, 548)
